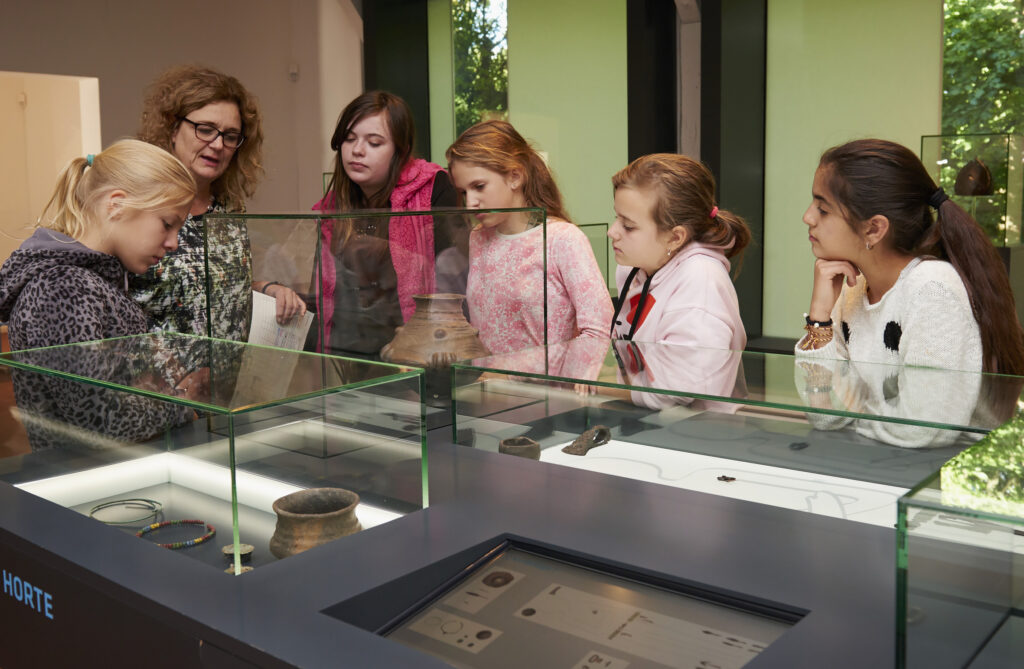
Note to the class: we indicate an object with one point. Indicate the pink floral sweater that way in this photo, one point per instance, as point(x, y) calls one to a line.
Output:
point(505, 290)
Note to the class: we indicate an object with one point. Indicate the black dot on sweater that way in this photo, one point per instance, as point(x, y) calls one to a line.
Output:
point(892, 335)
point(846, 332)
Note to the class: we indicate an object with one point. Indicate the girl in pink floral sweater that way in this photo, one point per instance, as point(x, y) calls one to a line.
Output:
point(493, 167)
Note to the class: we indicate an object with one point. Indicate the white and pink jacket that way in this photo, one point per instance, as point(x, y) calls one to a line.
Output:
point(691, 302)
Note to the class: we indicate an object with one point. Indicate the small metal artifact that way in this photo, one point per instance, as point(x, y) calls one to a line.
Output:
point(244, 551)
point(524, 447)
point(592, 438)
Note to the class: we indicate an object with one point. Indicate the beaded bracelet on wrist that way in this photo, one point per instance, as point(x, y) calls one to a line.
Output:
point(816, 337)
point(180, 544)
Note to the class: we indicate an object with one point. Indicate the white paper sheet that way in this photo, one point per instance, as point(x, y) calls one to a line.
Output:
point(267, 331)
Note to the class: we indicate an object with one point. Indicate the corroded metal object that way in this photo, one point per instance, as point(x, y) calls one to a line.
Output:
point(245, 551)
point(592, 438)
point(308, 518)
point(523, 447)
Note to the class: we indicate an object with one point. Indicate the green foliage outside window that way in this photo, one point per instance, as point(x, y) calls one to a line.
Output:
point(480, 51)
point(982, 103)
point(983, 67)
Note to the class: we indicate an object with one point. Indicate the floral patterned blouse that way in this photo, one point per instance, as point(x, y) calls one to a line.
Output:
point(174, 292)
point(505, 290)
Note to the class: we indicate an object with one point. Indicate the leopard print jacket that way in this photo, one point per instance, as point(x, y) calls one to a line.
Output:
point(54, 290)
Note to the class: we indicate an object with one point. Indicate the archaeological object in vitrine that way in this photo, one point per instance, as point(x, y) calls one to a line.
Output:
point(309, 518)
point(523, 447)
point(437, 335)
point(592, 438)
point(974, 178)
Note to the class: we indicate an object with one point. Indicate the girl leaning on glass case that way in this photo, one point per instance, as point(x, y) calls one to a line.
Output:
point(112, 215)
point(494, 167)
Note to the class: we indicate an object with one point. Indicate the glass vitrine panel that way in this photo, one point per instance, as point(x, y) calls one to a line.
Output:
point(392, 286)
point(828, 436)
point(983, 174)
point(160, 429)
point(960, 567)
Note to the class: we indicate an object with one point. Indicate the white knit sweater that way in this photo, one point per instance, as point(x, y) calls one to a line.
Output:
point(924, 321)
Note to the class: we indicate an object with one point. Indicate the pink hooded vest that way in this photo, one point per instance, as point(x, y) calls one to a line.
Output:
point(410, 238)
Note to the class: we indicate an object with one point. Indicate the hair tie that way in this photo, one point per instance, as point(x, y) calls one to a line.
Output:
point(937, 198)
point(714, 211)
point(89, 158)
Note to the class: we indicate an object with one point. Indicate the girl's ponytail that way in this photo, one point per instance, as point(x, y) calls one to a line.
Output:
point(65, 210)
point(150, 178)
point(731, 232)
point(965, 246)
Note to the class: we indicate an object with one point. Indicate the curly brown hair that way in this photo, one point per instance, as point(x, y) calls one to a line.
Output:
point(180, 91)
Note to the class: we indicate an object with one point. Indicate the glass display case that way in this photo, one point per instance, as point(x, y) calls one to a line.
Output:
point(832, 437)
point(233, 454)
point(377, 285)
point(597, 235)
point(981, 173)
point(960, 563)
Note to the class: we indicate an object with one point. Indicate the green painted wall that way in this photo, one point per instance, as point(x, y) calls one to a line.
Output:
point(567, 94)
point(442, 87)
point(837, 70)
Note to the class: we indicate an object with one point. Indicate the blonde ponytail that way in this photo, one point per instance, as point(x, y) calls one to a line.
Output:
point(150, 178)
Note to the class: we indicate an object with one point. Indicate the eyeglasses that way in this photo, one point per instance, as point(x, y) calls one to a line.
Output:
point(209, 134)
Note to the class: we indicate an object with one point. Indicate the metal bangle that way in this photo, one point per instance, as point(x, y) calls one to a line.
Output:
point(154, 507)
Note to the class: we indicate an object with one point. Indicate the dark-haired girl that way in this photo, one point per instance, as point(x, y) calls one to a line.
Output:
point(895, 282)
point(903, 276)
point(373, 267)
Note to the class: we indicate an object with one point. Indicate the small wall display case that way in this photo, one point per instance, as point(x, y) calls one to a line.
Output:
point(960, 567)
point(983, 174)
point(232, 454)
point(832, 437)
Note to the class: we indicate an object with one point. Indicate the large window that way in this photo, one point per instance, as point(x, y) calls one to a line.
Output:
point(480, 47)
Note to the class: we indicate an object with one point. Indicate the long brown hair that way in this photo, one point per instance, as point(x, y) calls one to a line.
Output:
point(497, 146)
point(685, 194)
point(347, 195)
point(180, 91)
point(871, 177)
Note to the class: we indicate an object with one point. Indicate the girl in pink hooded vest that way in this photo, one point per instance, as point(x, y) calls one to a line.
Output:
point(673, 246)
point(371, 268)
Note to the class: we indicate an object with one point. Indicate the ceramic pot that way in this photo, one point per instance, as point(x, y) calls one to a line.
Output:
point(437, 335)
point(308, 518)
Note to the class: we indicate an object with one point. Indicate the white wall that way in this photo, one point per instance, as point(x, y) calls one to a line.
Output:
point(125, 44)
point(45, 121)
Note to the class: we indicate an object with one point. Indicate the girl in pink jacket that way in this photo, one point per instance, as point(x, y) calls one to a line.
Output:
point(673, 247)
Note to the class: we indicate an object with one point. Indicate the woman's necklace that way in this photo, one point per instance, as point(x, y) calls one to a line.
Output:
point(209, 208)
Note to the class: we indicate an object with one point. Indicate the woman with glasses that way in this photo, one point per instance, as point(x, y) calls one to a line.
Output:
point(210, 122)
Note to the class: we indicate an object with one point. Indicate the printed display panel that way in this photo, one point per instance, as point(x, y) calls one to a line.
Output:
point(523, 609)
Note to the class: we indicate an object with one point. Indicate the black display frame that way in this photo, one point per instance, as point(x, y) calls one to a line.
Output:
point(772, 610)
